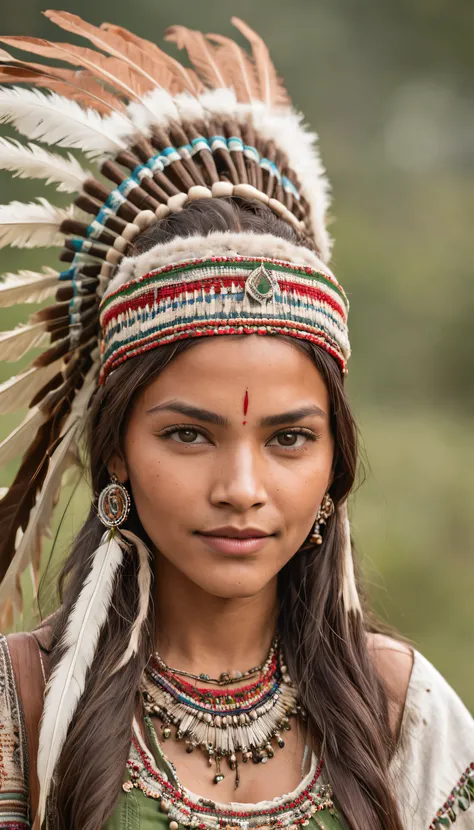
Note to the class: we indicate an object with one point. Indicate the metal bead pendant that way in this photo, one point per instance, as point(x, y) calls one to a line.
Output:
point(114, 504)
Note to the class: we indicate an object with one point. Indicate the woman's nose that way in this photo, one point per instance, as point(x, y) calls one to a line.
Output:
point(239, 480)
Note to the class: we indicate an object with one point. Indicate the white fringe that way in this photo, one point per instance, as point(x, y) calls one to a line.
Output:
point(215, 244)
point(144, 584)
point(350, 597)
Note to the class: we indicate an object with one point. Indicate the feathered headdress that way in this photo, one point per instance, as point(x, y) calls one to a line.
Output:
point(144, 136)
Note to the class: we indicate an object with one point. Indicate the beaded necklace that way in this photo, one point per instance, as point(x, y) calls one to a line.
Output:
point(235, 724)
point(185, 809)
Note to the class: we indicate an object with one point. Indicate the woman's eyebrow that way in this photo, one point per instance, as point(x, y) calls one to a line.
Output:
point(213, 418)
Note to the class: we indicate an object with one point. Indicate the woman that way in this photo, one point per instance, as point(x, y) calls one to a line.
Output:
point(210, 652)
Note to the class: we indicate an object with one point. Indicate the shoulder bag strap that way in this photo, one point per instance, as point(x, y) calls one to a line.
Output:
point(30, 681)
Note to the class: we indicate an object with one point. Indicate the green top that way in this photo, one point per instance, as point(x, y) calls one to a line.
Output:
point(153, 799)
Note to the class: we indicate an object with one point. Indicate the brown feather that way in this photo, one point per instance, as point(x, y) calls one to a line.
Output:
point(17, 504)
point(154, 72)
point(184, 79)
point(77, 85)
point(112, 70)
point(201, 54)
point(272, 89)
point(236, 67)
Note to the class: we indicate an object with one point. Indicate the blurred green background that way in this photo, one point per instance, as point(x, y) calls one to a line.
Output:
point(389, 88)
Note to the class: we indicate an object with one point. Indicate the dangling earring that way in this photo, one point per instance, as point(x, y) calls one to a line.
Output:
point(113, 505)
point(326, 509)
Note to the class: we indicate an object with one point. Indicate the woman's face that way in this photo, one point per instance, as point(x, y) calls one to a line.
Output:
point(229, 453)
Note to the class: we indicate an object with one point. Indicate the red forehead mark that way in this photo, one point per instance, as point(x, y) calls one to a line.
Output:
point(246, 404)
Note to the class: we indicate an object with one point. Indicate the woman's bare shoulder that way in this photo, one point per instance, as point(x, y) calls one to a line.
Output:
point(393, 661)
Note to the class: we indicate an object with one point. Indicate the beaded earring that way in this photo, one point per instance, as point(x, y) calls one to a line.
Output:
point(326, 509)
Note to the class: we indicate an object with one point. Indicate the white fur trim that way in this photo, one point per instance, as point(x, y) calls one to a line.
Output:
point(215, 244)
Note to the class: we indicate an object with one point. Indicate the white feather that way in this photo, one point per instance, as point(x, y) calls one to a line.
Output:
point(19, 390)
point(54, 119)
point(350, 596)
point(28, 287)
point(80, 642)
point(14, 344)
point(34, 162)
point(155, 107)
point(21, 437)
point(286, 127)
point(31, 225)
point(144, 584)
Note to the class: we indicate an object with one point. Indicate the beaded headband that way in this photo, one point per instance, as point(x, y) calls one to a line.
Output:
point(233, 284)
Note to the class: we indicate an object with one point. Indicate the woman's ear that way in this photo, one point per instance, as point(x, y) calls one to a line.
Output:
point(116, 466)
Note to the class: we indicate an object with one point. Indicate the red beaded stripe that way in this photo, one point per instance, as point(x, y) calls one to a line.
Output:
point(154, 296)
point(237, 260)
point(202, 328)
point(198, 808)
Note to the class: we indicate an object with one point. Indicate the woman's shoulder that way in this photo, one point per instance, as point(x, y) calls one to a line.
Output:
point(433, 766)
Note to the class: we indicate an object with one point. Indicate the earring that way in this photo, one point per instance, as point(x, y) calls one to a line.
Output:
point(326, 509)
point(113, 505)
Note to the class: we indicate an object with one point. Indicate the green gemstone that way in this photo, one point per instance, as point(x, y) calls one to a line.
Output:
point(264, 285)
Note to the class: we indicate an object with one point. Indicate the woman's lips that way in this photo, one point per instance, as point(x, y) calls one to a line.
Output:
point(233, 545)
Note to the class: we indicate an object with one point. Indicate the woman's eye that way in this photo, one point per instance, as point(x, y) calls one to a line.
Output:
point(290, 439)
point(187, 436)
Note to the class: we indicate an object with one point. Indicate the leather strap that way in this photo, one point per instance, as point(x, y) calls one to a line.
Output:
point(30, 682)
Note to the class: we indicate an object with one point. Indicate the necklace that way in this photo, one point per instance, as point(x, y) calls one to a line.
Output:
point(183, 809)
point(231, 724)
point(225, 678)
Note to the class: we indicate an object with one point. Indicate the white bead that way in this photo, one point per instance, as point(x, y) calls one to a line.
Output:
point(248, 191)
point(162, 212)
point(199, 192)
point(121, 244)
point(222, 189)
point(113, 256)
point(177, 202)
point(144, 219)
point(130, 231)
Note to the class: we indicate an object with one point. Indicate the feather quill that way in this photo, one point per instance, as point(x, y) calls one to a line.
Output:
point(20, 439)
point(28, 287)
point(79, 644)
point(18, 391)
point(54, 119)
point(33, 162)
point(272, 89)
point(144, 583)
point(14, 344)
point(200, 51)
point(31, 225)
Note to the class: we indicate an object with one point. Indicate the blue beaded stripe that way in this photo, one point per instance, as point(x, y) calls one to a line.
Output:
point(266, 164)
point(252, 153)
point(289, 187)
point(144, 315)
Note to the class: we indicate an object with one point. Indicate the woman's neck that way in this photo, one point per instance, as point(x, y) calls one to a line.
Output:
point(201, 633)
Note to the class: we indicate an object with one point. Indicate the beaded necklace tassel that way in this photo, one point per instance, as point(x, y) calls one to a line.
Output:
point(236, 724)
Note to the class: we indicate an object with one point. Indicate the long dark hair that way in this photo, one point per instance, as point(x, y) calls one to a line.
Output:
point(325, 647)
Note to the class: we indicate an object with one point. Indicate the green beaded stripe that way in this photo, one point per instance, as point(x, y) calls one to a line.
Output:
point(316, 276)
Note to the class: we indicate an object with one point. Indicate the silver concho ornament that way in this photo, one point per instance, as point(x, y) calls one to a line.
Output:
point(261, 284)
point(114, 504)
